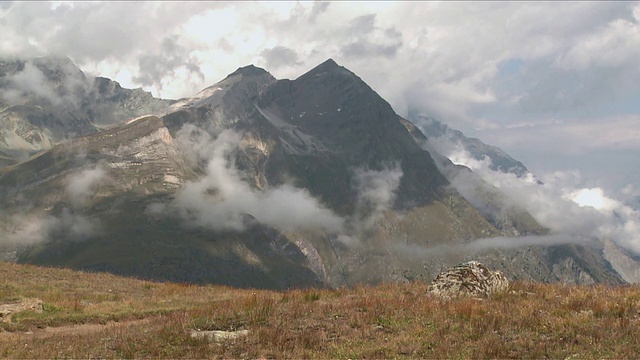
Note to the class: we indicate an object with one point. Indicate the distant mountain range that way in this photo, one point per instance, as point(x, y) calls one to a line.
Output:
point(46, 101)
point(253, 182)
point(500, 161)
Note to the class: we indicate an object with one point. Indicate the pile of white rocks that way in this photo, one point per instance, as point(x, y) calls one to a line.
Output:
point(469, 279)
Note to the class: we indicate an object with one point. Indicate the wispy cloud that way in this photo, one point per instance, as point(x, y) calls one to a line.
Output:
point(570, 211)
point(20, 230)
point(64, 88)
point(81, 185)
point(222, 199)
point(477, 246)
point(376, 190)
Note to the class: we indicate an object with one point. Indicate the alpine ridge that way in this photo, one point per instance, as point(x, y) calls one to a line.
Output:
point(269, 183)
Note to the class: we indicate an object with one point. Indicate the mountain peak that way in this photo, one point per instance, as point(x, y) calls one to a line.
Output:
point(249, 70)
point(329, 63)
point(329, 66)
point(326, 66)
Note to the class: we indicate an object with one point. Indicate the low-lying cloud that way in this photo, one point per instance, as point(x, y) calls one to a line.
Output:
point(222, 199)
point(487, 244)
point(34, 229)
point(63, 88)
point(82, 185)
point(377, 190)
point(561, 204)
point(69, 223)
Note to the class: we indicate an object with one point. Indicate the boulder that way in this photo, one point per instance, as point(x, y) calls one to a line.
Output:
point(469, 279)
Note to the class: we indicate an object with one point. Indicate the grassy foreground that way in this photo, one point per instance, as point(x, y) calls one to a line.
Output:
point(89, 315)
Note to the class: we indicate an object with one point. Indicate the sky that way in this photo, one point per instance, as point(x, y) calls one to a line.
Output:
point(556, 85)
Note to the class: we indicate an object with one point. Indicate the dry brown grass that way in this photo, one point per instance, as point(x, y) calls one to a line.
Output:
point(385, 321)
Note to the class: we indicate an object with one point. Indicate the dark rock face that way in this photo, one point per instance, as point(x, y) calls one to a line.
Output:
point(350, 125)
point(468, 279)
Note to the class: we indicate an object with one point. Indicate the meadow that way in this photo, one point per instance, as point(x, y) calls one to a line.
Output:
point(96, 315)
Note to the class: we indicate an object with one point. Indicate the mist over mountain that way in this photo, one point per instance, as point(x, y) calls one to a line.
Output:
point(561, 204)
point(264, 182)
point(48, 100)
point(446, 140)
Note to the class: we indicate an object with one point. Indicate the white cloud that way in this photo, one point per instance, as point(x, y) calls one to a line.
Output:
point(80, 186)
point(595, 198)
point(34, 229)
point(24, 230)
point(222, 199)
point(30, 82)
point(560, 204)
point(376, 193)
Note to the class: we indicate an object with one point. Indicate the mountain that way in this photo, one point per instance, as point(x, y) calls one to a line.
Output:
point(46, 101)
point(261, 182)
point(488, 200)
point(443, 137)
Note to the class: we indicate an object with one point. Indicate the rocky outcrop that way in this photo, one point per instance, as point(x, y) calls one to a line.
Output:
point(468, 279)
point(622, 261)
point(8, 309)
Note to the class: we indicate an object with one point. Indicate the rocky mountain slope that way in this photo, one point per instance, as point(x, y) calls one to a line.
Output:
point(46, 101)
point(269, 183)
point(443, 136)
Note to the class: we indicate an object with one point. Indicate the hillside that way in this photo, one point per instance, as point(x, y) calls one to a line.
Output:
point(95, 315)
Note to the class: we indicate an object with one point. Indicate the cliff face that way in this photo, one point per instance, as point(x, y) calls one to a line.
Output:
point(141, 154)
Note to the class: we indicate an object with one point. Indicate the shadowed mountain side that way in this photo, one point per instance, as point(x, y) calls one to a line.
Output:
point(337, 109)
point(161, 248)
